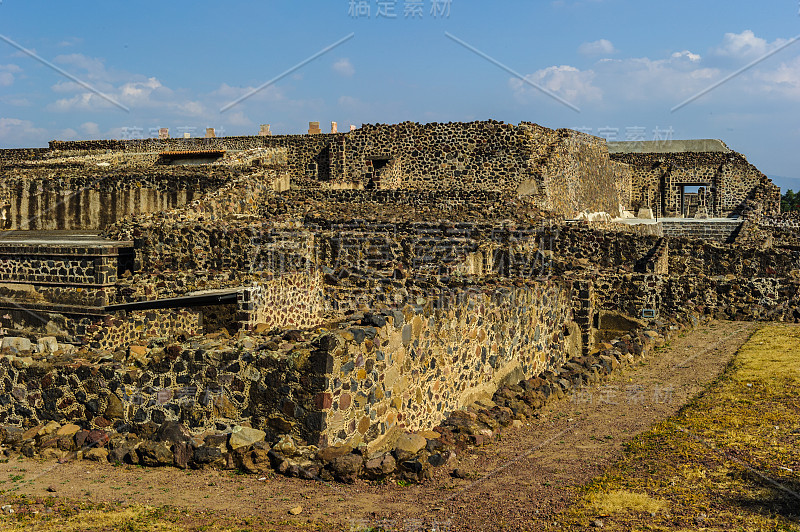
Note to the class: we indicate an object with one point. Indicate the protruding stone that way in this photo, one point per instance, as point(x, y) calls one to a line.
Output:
point(154, 454)
point(67, 431)
point(16, 342)
point(98, 454)
point(47, 344)
point(114, 408)
point(408, 445)
point(245, 436)
point(347, 468)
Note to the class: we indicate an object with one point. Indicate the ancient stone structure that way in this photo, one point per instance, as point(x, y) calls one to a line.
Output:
point(340, 290)
point(663, 169)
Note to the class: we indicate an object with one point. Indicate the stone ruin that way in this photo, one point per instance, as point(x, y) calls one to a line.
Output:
point(343, 304)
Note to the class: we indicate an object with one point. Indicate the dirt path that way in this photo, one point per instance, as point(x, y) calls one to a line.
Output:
point(518, 483)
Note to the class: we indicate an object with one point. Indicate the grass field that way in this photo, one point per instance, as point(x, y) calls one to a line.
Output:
point(729, 460)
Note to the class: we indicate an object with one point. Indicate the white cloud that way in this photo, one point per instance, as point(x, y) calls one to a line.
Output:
point(568, 82)
point(344, 67)
point(782, 81)
point(94, 67)
point(621, 81)
point(617, 83)
point(7, 74)
point(90, 128)
point(600, 47)
point(238, 119)
point(694, 58)
point(71, 41)
point(67, 134)
point(227, 93)
point(745, 45)
point(17, 132)
point(17, 101)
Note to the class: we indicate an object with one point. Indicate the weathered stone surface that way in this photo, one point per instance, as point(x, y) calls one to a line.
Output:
point(207, 455)
point(154, 454)
point(173, 432)
point(380, 466)
point(182, 454)
point(16, 343)
point(245, 436)
point(346, 468)
point(285, 446)
point(114, 408)
point(330, 453)
point(408, 445)
point(68, 430)
point(98, 438)
point(139, 354)
point(96, 455)
point(47, 344)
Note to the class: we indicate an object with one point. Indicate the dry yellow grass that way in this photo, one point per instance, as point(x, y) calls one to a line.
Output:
point(729, 460)
point(772, 353)
point(616, 501)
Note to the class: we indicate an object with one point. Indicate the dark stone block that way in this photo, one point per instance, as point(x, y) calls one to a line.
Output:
point(321, 361)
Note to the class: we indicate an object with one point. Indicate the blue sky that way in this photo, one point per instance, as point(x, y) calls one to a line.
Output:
point(624, 64)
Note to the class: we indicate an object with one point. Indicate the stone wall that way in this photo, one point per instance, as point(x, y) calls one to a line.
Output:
point(579, 176)
point(81, 197)
point(290, 301)
point(475, 156)
point(15, 155)
point(368, 377)
point(120, 330)
point(98, 329)
point(413, 366)
point(692, 257)
point(313, 156)
point(58, 265)
point(737, 186)
point(724, 297)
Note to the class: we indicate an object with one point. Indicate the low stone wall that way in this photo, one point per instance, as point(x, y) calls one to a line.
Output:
point(372, 376)
point(412, 367)
point(57, 264)
point(692, 256)
point(725, 297)
point(85, 296)
point(14, 155)
point(87, 197)
point(95, 329)
point(409, 458)
point(290, 301)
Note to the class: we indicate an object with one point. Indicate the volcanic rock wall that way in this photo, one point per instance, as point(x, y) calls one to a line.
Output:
point(738, 186)
point(566, 171)
point(358, 382)
point(85, 197)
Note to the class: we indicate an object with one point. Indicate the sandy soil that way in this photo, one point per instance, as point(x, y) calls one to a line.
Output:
point(520, 482)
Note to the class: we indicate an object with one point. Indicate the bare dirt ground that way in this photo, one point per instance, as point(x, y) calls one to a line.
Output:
point(520, 482)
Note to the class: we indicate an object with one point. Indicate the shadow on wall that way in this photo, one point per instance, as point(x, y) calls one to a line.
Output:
point(32, 208)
